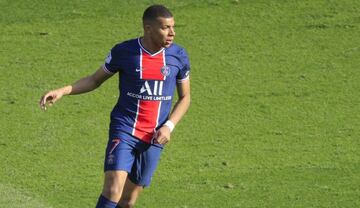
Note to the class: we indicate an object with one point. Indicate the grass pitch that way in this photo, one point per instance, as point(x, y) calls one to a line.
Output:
point(274, 120)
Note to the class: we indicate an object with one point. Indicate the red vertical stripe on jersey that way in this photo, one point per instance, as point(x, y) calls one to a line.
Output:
point(151, 66)
point(148, 111)
point(147, 119)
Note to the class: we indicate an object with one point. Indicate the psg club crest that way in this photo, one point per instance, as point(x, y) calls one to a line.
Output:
point(165, 70)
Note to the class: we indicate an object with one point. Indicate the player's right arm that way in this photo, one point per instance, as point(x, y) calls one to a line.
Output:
point(83, 85)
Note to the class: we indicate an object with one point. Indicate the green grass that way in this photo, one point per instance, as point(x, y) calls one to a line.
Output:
point(274, 120)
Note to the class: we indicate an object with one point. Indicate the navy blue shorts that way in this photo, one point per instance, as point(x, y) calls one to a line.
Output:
point(138, 158)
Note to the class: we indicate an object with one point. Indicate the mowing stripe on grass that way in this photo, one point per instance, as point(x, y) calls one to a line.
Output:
point(11, 197)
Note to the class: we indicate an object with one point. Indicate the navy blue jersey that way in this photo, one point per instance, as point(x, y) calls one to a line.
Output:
point(147, 83)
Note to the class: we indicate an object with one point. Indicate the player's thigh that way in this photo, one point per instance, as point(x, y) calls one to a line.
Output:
point(115, 178)
point(119, 154)
point(114, 182)
point(130, 194)
point(119, 159)
point(145, 164)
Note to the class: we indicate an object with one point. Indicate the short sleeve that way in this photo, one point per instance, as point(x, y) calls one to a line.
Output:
point(184, 72)
point(112, 62)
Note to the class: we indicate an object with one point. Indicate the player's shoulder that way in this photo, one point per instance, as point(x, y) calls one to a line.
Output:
point(126, 45)
point(176, 50)
point(178, 55)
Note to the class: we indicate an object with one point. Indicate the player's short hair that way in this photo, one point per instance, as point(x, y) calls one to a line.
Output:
point(155, 11)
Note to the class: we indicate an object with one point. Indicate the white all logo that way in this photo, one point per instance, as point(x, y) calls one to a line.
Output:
point(157, 90)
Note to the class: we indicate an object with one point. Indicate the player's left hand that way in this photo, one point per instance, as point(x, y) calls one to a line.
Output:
point(163, 135)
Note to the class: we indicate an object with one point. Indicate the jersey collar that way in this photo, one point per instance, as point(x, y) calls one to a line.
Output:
point(151, 54)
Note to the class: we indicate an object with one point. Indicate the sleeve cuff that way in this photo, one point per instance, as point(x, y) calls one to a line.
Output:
point(107, 70)
point(183, 80)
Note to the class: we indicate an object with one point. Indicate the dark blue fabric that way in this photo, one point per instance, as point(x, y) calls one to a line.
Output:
point(105, 203)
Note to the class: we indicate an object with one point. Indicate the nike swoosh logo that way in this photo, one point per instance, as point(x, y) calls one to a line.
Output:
point(138, 69)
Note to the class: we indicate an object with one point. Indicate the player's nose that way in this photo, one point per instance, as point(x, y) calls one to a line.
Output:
point(172, 32)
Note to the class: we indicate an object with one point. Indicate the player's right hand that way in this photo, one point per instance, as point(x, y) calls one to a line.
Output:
point(162, 136)
point(50, 98)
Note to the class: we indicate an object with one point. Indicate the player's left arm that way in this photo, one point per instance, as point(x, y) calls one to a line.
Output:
point(179, 110)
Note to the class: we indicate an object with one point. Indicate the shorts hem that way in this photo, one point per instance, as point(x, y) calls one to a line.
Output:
point(137, 183)
point(117, 169)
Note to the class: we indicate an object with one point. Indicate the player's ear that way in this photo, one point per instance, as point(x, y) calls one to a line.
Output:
point(147, 28)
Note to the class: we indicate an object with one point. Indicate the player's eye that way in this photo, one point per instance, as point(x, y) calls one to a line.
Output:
point(168, 27)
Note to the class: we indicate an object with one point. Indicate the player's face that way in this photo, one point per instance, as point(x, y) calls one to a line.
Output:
point(162, 32)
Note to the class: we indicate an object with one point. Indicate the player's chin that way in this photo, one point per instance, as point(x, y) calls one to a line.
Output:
point(167, 44)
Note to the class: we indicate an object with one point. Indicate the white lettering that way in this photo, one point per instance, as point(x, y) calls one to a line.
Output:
point(160, 88)
point(134, 95)
point(155, 87)
point(146, 87)
point(149, 97)
point(146, 97)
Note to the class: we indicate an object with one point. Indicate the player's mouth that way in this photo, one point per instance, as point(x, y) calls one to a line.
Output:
point(169, 41)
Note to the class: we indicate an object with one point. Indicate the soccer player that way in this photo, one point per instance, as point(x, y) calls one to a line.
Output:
point(149, 68)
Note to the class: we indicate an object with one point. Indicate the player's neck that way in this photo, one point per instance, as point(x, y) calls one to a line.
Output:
point(149, 45)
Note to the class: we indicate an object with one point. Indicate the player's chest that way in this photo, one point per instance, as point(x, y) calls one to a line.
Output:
point(148, 67)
